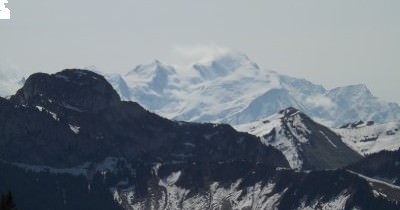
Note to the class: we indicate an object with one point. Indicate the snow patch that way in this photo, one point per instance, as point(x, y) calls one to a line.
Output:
point(74, 128)
point(373, 138)
point(329, 140)
point(53, 115)
point(72, 107)
point(336, 203)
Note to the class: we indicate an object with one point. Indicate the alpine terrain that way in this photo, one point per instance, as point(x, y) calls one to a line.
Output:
point(68, 141)
point(370, 137)
point(305, 143)
point(230, 88)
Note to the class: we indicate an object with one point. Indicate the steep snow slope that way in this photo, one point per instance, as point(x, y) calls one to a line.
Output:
point(355, 102)
point(156, 86)
point(272, 125)
point(208, 91)
point(305, 143)
point(368, 138)
point(119, 85)
point(231, 88)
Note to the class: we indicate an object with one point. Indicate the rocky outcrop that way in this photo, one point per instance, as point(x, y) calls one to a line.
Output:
point(80, 90)
point(75, 116)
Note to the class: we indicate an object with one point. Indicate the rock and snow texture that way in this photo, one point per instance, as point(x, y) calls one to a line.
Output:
point(273, 125)
point(305, 143)
point(240, 194)
point(231, 88)
point(217, 196)
point(368, 137)
point(338, 202)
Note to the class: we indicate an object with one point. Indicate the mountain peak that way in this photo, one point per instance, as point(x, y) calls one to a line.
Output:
point(148, 70)
point(290, 111)
point(305, 143)
point(155, 76)
point(78, 75)
point(157, 62)
point(354, 90)
point(76, 89)
point(224, 64)
point(357, 87)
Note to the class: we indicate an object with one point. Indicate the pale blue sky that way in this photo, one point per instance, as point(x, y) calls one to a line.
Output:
point(332, 43)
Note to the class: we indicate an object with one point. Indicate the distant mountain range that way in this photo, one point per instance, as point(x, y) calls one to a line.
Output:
point(370, 137)
point(230, 88)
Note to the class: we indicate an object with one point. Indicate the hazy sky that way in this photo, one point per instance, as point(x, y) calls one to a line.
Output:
point(332, 43)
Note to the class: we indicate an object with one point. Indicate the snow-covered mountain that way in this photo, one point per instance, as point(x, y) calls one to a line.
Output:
point(119, 85)
point(305, 143)
point(368, 137)
point(231, 88)
point(290, 130)
point(10, 81)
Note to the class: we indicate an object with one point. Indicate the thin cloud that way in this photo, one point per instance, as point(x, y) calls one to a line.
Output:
point(199, 53)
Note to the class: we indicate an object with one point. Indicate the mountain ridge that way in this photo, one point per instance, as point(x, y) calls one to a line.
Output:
point(306, 144)
point(236, 91)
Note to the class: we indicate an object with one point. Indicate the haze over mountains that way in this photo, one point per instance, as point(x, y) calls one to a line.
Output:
point(231, 88)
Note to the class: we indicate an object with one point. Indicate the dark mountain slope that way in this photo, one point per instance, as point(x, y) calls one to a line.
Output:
point(75, 116)
point(234, 185)
point(58, 132)
point(384, 165)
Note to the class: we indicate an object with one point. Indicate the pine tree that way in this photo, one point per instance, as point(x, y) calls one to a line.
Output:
point(7, 202)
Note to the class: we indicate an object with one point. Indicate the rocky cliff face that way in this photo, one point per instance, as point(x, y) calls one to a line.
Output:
point(79, 90)
point(75, 116)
